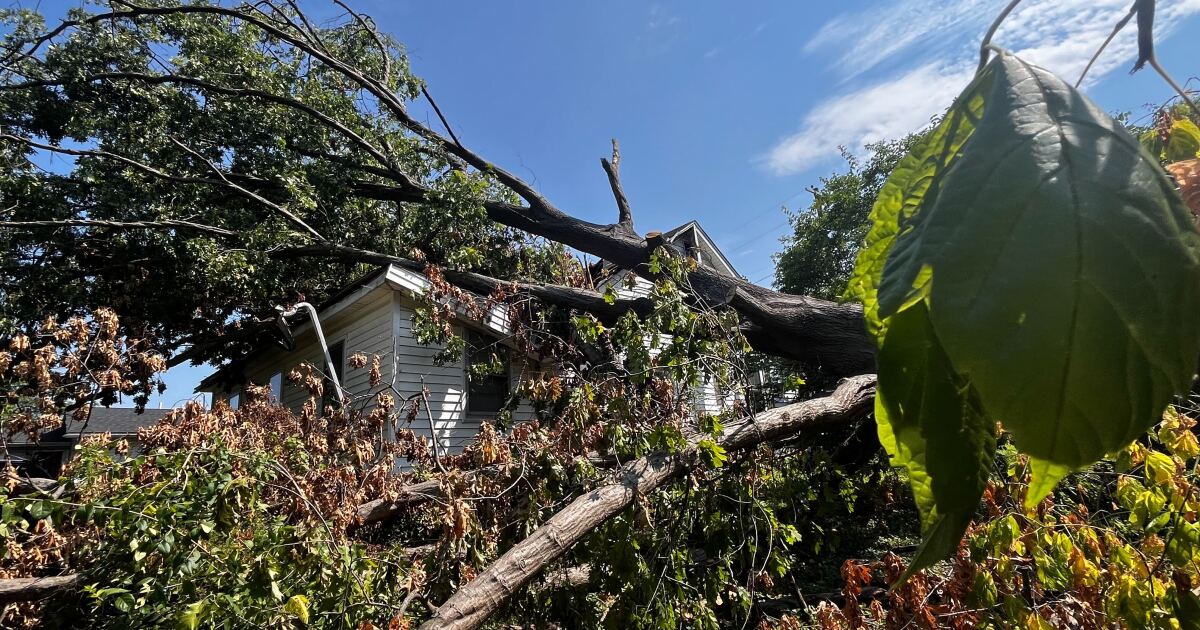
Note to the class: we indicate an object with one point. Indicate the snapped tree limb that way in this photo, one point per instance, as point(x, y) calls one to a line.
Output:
point(472, 604)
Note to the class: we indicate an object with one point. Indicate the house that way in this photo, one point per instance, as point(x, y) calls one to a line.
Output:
point(374, 316)
point(46, 456)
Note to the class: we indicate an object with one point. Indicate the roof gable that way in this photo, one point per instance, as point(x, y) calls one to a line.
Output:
point(347, 303)
point(691, 235)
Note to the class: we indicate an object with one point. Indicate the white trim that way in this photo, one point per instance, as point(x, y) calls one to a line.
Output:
point(495, 320)
point(695, 227)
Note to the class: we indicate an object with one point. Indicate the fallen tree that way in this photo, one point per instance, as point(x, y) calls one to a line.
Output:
point(817, 332)
point(472, 604)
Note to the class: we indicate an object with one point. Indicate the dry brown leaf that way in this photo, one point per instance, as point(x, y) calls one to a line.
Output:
point(1187, 175)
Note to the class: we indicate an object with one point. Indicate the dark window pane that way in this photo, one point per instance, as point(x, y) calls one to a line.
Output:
point(486, 393)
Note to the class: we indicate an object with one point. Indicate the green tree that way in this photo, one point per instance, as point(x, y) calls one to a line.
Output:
point(154, 165)
point(818, 256)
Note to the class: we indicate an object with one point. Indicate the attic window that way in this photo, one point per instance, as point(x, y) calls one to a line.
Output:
point(487, 375)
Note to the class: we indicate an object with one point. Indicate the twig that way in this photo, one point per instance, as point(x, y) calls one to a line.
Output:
point(437, 110)
point(1116, 29)
point(291, 216)
point(1146, 54)
point(987, 38)
point(121, 225)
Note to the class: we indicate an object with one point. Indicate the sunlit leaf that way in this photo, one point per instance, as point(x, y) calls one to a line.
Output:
point(1062, 273)
point(297, 606)
point(930, 423)
point(902, 197)
point(1184, 143)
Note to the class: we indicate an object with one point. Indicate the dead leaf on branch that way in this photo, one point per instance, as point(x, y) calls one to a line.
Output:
point(1187, 176)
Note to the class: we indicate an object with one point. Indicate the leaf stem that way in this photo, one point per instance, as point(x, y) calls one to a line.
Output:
point(987, 38)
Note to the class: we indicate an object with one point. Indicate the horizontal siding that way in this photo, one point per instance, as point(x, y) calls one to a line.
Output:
point(381, 323)
point(641, 287)
point(364, 327)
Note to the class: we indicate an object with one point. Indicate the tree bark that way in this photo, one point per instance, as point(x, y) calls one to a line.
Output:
point(29, 485)
point(824, 335)
point(476, 601)
point(410, 495)
point(32, 589)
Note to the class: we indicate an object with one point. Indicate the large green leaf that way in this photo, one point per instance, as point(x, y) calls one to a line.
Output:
point(901, 198)
point(930, 422)
point(1065, 272)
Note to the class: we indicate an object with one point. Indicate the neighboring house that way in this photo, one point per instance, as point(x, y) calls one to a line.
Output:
point(46, 457)
point(373, 316)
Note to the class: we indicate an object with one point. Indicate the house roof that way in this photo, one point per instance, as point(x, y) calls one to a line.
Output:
point(393, 277)
point(707, 245)
point(682, 238)
point(119, 421)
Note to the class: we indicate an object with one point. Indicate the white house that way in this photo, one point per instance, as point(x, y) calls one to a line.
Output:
point(374, 315)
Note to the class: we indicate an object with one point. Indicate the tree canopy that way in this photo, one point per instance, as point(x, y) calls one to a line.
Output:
point(818, 256)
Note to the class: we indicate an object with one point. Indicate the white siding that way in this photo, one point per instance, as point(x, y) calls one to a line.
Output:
point(641, 287)
point(363, 326)
point(447, 385)
point(379, 321)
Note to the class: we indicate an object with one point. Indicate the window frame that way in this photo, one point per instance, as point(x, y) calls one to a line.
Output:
point(501, 382)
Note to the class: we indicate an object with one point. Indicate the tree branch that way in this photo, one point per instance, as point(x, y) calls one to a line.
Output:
point(162, 224)
point(612, 169)
point(472, 604)
point(32, 589)
point(817, 333)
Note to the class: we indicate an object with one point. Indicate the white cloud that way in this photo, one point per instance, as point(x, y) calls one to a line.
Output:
point(879, 112)
point(909, 38)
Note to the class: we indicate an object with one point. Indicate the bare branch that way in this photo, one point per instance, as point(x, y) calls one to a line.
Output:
point(162, 224)
point(288, 214)
point(1146, 54)
point(108, 155)
point(624, 214)
point(157, 79)
point(437, 110)
point(1107, 40)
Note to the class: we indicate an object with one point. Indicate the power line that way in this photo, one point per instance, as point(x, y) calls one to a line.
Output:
point(755, 238)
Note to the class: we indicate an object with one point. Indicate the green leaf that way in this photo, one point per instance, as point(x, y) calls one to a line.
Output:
point(297, 606)
point(714, 454)
point(1184, 142)
point(610, 295)
point(902, 197)
point(1187, 610)
point(930, 423)
point(1152, 142)
point(189, 617)
point(1062, 273)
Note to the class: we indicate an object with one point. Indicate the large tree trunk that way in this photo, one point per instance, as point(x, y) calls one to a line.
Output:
point(476, 601)
point(824, 335)
point(32, 589)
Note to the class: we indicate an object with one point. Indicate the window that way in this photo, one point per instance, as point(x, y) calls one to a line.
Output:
point(337, 356)
point(277, 386)
point(487, 374)
point(234, 400)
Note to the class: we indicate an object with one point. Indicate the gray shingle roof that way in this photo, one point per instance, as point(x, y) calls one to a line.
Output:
point(115, 420)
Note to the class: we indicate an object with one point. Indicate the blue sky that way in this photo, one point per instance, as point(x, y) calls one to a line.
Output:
point(728, 111)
